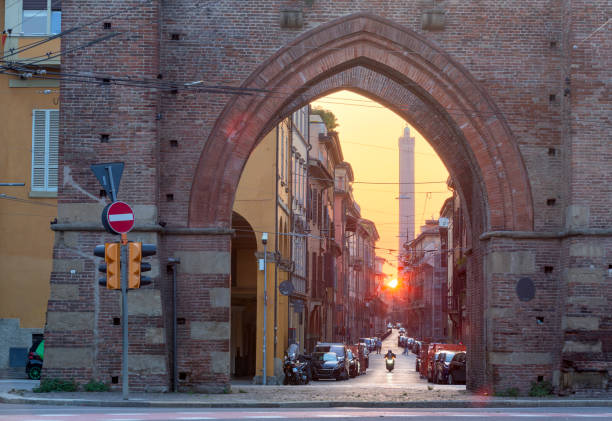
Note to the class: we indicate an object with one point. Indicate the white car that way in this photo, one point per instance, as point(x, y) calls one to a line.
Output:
point(389, 326)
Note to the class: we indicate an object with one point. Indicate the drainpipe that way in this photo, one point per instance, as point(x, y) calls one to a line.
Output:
point(172, 262)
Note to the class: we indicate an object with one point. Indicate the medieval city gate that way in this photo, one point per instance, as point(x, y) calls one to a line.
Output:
point(188, 148)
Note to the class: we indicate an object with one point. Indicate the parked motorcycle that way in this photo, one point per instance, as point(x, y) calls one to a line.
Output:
point(35, 361)
point(295, 367)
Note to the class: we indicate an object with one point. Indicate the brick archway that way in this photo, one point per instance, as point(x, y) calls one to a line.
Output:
point(475, 130)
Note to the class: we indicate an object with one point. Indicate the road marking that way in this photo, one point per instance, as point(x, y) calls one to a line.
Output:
point(126, 419)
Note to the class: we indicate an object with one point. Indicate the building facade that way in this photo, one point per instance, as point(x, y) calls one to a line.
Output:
point(29, 141)
point(521, 122)
point(427, 285)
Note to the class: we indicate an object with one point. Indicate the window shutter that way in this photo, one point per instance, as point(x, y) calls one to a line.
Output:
point(45, 150)
point(39, 137)
point(53, 156)
point(35, 4)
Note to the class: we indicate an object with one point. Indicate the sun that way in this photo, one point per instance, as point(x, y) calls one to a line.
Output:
point(393, 283)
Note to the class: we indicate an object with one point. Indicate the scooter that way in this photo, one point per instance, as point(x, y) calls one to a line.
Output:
point(296, 369)
point(390, 363)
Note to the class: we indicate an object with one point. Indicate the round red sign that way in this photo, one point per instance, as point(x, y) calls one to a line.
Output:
point(120, 217)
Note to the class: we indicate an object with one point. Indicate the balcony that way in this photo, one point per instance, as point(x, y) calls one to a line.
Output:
point(453, 305)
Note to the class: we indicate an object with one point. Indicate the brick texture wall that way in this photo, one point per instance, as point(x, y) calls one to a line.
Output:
point(518, 114)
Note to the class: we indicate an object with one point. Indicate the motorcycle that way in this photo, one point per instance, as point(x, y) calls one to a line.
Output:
point(35, 361)
point(390, 362)
point(296, 368)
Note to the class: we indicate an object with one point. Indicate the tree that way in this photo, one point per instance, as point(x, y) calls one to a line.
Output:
point(329, 119)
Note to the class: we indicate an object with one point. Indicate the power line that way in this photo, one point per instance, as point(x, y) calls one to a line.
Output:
point(28, 201)
point(52, 37)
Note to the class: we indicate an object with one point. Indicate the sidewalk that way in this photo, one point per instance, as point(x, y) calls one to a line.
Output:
point(310, 396)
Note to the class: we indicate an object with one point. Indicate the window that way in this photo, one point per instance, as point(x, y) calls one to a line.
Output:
point(45, 148)
point(41, 17)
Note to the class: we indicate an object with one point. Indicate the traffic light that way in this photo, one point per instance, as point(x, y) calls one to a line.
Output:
point(135, 265)
point(111, 252)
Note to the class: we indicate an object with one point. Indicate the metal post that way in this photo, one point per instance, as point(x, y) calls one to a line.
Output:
point(265, 303)
point(124, 311)
point(113, 193)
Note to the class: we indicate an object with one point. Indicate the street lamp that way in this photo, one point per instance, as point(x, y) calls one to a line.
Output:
point(264, 240)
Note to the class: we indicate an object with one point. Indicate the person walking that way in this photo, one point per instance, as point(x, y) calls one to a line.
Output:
point(378, 345)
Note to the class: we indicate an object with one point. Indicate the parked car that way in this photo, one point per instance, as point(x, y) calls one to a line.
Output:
point(370, 343)
point(341, 372)
point(429, 353)
point(431, 366)
point(402, 330)
point(327, 365)
point(456, 369)
point(442, 364)
point(416, 347)
point(409, 343)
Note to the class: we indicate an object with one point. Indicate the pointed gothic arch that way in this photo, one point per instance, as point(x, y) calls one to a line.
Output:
point(493, 176)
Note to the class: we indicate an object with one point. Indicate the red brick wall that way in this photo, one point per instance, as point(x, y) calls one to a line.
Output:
point(501, 61)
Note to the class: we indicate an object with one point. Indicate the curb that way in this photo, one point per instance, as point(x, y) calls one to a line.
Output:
point(505, 403)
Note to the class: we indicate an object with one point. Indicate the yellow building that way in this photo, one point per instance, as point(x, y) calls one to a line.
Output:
point(29, 128)
point(261, 205)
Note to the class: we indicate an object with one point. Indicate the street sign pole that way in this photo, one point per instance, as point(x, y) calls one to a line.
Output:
point(124, 310)
point(113, 193)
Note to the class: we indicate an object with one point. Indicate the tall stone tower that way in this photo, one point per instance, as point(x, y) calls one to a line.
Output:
point(406, 189)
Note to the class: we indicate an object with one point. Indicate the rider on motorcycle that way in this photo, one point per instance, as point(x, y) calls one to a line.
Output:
point(390, 354)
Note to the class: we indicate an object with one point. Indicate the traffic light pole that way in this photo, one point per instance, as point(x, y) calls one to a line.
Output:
point(124, 311)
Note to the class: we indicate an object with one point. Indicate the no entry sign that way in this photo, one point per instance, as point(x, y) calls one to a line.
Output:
point(118, 218)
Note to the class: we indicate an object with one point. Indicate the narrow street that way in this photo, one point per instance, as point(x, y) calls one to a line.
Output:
point(402, 376)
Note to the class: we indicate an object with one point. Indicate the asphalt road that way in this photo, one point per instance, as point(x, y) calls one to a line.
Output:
point(41, 413)
point(403, 375)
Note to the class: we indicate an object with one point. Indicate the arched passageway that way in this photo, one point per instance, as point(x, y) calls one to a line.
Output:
point(415, 79)
point(243, 299)
point(185, 150)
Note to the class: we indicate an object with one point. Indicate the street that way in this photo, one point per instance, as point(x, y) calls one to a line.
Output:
point(403, 375)
point(40, 413)
point(403, 380)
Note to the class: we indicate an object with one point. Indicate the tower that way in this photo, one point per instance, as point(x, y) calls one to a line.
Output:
point(406, 189)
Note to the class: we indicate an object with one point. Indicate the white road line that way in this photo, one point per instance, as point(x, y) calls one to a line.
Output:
point(125, 419)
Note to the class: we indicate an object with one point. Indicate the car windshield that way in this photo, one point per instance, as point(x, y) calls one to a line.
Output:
point(449, 357)
point(337, 349)
point(325, 356)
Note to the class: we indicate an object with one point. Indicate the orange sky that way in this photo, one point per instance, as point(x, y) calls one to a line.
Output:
point(368, 135)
